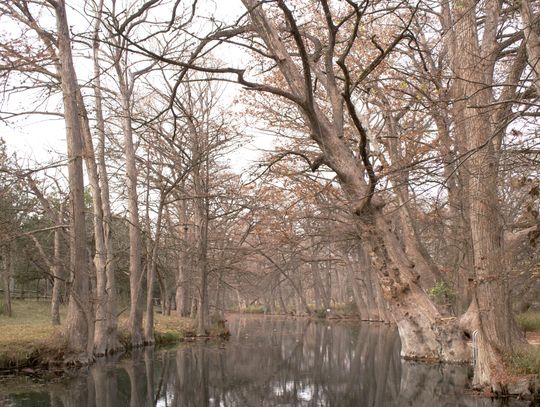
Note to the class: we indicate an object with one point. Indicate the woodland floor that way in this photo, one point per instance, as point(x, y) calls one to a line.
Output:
point(28, 340)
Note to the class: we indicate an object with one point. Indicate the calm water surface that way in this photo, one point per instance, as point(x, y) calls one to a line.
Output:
point(268, 361)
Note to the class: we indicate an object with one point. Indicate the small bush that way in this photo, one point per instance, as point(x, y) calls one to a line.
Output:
point(442, 293)
point(254, 309)
point(219, 329)
point(320, 313)
point(166, 338)
point(347, 308)
point(527, 362)
point(529, 321)
point(124, 336)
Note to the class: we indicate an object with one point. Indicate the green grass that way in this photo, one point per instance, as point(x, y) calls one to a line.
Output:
point(347, 308)
point(219, 329)
point(529, 321)
point(28, 339)
point(526, 362)
point(253, 309)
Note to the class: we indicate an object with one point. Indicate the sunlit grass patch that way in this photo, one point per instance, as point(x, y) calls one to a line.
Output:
point(253, 309)
point(529, 321)
point(174, 323)
point(167, 329)
point(28, 336)
point(31, 321)
point(525, 362)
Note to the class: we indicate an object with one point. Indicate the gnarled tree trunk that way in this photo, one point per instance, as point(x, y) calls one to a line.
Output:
point(424, 333)
point(497, 331)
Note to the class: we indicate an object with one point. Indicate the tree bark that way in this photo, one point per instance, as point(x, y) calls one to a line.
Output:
point(201, 219)
point(183, 278)
point(57, 272)
point(199, 148)
point(79, 320)
point(497, 331)
point(106, 337)
point(531, 28)
point(413, 246)
point(425, 335)
point(151, 273)
point(7, 275)
point(135, 269)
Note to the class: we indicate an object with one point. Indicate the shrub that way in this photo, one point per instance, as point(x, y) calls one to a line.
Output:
point(347, 308)
point(442, 293)
point(529, 321)
point(165, 338)
point(254, 309)
point(320, 313)
point(219, 329)
point(527, 362)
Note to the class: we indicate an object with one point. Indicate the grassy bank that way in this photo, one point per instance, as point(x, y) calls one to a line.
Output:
point(28, 340)
point(529, 321)
point(527, 362)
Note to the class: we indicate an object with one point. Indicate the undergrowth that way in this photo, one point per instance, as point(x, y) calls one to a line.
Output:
point(27, 339)
point(529, 321)
point(525, 362)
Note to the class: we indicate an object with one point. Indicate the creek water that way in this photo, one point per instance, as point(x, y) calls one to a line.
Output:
point(268, 361)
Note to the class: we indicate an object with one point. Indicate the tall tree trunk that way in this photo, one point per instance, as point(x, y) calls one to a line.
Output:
point(7, 275)
point(106, 336)
point(457, 225)
point(183, 278)
point(425, 335)
point(531, 28)
point(181, 295)
point(135, 269)
point(79, 320)
point(320, 290)
point(57, 272)
point(151, 273)
point(413, 246)
point(199, 144)
point(202, 264)
point(364, 310)
point(497, 331)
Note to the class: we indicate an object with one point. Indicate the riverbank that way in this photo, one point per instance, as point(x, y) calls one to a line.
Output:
point(343, 312)
point(30, 344)
point(271, 361)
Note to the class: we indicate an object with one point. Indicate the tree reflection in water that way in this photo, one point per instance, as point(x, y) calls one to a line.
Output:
point(271, 361)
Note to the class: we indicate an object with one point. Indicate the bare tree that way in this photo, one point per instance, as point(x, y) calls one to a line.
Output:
point(531, 31)
point(397, 273)
point(79, 328)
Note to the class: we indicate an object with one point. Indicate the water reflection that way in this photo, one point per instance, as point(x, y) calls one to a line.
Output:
point(268, 362)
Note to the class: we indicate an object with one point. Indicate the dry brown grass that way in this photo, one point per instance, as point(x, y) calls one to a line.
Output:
point(173, 323)
point(29, 339)
point(30, 321)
